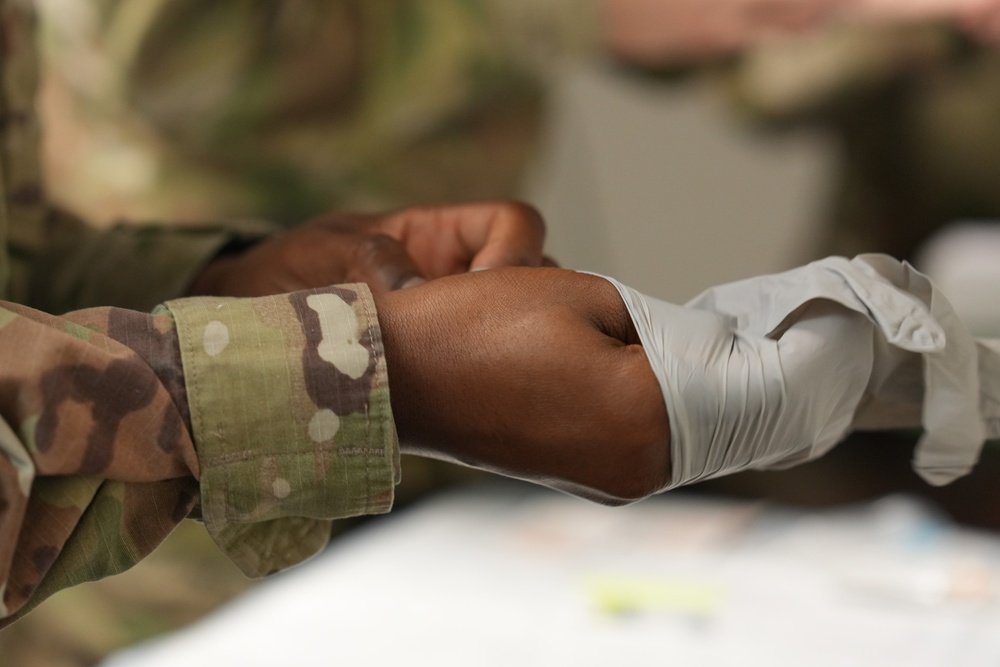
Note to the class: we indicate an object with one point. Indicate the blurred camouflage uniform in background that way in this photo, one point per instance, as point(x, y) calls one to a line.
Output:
point(185, 109)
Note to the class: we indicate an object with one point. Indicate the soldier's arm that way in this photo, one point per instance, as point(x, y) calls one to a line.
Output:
point(75, 265)
point(268, 417)
point(137, 267)
point(271, 416)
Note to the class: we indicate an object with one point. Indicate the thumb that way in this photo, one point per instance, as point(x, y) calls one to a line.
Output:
point(506, 233)
point(383, 263)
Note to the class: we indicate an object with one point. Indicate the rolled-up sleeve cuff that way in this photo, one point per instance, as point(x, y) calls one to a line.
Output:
point(290, 413)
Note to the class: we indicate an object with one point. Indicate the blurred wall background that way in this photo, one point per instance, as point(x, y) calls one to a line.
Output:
point(664, 187)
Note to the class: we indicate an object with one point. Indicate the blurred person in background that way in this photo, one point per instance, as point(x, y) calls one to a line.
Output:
point(182, 111)
point(914, 111)
point(185, 111)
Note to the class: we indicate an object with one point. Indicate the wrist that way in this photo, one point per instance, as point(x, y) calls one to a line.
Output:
point(211, 279)
point(399, 345)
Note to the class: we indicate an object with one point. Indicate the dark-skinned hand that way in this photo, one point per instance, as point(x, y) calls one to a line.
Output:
point(387, 251)
point(531, 373)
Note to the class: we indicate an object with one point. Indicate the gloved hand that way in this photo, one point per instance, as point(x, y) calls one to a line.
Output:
point(775, 370)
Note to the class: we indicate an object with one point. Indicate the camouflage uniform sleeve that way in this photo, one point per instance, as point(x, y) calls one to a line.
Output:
point(56, 262)
point(290, 410)
point(129, 266)
point(270, 416)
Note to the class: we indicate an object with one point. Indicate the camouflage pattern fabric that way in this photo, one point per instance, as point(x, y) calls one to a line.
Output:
point(282, 110)
point(914, 112)
point(79, 266)
point(116, 425)
point(49, 258)
point(285, 396)
point(183, 579)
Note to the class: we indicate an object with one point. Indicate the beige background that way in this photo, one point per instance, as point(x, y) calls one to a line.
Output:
point(664, 188)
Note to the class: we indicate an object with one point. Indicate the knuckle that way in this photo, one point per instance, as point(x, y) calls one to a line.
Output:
point(342, 222)
point(522, 212)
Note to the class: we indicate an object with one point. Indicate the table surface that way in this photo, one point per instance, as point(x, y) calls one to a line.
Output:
point(512, 575)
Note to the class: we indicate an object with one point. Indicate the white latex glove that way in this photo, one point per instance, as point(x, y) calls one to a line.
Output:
point(776, 370)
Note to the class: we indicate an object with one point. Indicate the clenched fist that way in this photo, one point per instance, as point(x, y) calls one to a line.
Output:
point(531, 373)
